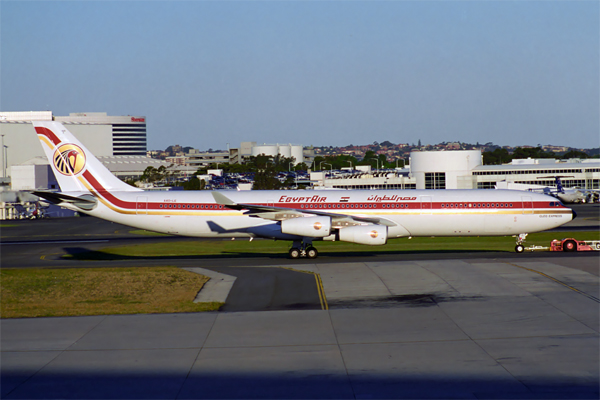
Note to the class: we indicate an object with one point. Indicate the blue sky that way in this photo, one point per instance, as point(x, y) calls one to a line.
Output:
point(323, 73)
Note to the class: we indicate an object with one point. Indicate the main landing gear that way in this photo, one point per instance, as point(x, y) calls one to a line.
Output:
point(303, 249)
point(519, 248)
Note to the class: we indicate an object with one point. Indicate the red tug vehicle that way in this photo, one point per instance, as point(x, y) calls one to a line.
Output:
point(571, 244)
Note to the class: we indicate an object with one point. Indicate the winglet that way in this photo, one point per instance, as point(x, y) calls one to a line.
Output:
point(222, 199)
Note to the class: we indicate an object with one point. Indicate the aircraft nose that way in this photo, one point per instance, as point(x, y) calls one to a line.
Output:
point(574, 214)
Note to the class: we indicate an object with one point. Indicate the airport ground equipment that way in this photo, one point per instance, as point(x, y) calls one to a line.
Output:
point(567, 245)
point(570, 244)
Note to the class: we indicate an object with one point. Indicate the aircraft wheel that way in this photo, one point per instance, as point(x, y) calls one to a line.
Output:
point(311, 252)
point(294, 253)
point(519, 248)
point(569, 245)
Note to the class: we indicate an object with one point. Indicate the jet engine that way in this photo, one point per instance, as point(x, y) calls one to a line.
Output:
point(307, 226)
point(373, 235)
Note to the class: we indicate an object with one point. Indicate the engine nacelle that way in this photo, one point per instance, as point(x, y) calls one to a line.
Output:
point(307, 226)
point(373, 235)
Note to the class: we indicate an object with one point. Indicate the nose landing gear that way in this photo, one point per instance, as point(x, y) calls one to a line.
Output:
point(519, 248)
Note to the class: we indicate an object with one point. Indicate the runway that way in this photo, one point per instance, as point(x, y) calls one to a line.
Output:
point(454, 325)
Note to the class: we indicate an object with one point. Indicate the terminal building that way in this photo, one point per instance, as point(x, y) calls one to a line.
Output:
point(464, 169)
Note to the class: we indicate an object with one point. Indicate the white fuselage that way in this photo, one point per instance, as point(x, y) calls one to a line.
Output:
point(413, 212)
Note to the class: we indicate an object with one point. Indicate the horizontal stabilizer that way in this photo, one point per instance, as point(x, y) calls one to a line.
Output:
point(85, 202)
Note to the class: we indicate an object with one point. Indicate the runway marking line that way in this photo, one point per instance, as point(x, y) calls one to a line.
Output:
point(589, 296)
point(43, 257)
point(322, 298)
point(319, 282)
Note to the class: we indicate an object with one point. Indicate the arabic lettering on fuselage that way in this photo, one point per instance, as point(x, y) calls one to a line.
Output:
point(393, 198)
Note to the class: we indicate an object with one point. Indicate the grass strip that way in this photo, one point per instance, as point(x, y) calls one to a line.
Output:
point(147, 233)
point(202, 248)
point(99, 291)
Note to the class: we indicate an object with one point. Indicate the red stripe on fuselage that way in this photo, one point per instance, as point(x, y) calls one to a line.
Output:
point(48, 133)
point(106, 194)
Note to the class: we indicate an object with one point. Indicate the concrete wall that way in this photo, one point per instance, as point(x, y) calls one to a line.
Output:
point(30, 177)
point(97, 138)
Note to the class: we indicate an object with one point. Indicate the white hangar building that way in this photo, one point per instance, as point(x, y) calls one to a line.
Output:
point(464, 169)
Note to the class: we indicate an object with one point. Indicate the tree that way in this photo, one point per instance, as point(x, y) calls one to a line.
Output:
point(575, 154)
point(535, 152)
point(193, 184)
point(152, 174)
point(266, 174)
point(496, 157)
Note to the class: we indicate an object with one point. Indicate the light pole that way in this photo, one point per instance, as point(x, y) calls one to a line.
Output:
point(352, 169)
point(3, 159)
point(295, 174)
point(4, 163)
point(321, 165)
point(331, 168)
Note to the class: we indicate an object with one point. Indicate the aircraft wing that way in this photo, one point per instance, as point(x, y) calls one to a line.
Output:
point(281, 213)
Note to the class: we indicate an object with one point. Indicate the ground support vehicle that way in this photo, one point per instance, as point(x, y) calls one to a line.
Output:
point(571, 244)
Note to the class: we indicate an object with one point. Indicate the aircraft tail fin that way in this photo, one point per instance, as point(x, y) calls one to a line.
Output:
point(559, 186)
point(75, 167)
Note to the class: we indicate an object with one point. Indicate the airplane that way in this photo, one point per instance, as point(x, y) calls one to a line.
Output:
point(573, 195)
point(567, 196)
point(369, 217)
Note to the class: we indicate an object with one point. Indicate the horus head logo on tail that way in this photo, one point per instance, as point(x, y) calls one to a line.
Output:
point(69, 159)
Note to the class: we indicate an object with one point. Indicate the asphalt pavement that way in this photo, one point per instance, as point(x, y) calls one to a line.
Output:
point(461, 329)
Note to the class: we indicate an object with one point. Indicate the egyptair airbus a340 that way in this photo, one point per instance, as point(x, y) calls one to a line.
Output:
point(302, 217)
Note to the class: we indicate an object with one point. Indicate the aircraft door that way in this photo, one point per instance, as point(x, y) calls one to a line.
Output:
point(527, 204)
point(425, 204)
point(141, 207)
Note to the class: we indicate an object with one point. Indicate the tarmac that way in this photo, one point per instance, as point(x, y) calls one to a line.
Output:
point(470, 329)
